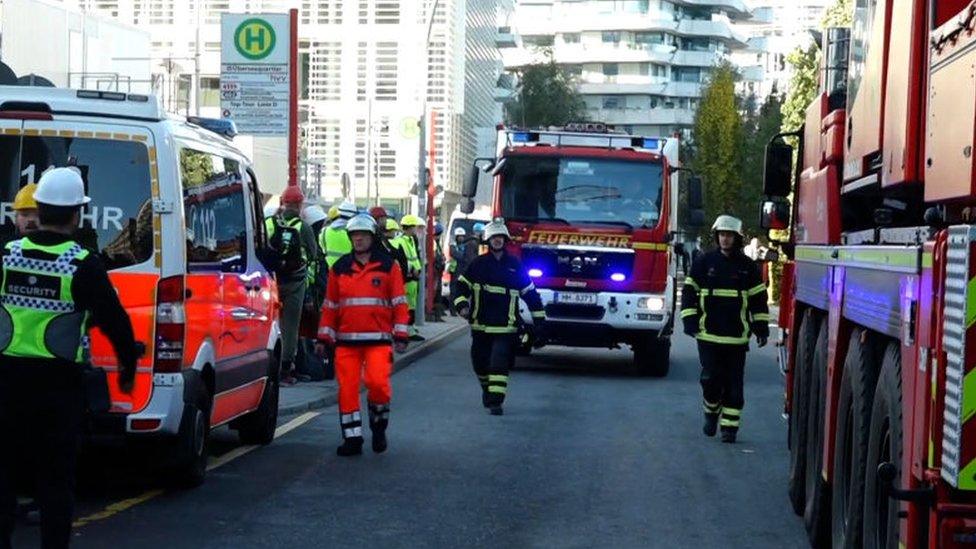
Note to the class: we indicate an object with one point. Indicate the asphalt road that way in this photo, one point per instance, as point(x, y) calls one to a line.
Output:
point(586, 455)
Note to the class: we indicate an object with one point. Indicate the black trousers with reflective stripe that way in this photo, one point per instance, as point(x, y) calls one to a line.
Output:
point(41, 415)
point(723, 369)
point(493, 355)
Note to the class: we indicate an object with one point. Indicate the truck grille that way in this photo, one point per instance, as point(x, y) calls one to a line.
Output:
point(575, 312)
point(578, 263)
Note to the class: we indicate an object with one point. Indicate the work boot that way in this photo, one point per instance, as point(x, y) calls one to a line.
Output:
point(288, 373)
point(352, 446)
point(496, 410)
point(728, 436)
point(379, 418)
point(711, 425)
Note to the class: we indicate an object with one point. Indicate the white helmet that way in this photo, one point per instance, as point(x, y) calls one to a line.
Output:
point(270, 209)
point(728, 223)
point(347, 210)
point(460, 232)
point(61, 187)
point(313, 214)
point(361, 223)
point(496, 228)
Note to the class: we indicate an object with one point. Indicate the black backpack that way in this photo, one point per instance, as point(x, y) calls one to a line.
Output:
point(286, 241)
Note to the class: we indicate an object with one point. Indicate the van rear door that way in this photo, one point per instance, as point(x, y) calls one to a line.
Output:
point(118, 165)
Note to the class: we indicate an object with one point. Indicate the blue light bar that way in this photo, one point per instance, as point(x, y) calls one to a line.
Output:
point(618, 277)
point(520, 137)
point(535, 273)
point(652, 143)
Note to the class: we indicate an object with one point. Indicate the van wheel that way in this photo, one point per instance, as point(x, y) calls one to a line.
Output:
point(258, 427)
point(653, 357)
point(884, 446)
point(851, 442)
point(816, 512)
point(191, 452)
point(806, 340)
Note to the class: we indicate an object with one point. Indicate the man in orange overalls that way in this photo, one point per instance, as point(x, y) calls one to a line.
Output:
point(365, 310)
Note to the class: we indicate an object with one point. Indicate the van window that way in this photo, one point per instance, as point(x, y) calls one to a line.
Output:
point(213, 205)
point(118, 221)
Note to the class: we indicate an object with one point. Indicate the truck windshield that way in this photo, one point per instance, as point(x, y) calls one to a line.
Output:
point(582, 190)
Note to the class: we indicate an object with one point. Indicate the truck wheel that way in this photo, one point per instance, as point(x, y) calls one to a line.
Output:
point(851, 442)
point(191, 450)
point(806, 340)
point(816, 512)
point(258, 427)
point(653, 357)
point(884, 445)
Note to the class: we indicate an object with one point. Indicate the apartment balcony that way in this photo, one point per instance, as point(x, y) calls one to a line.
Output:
point(696, 58)
point(736, 9)
point(618, 52)
point(575, 23)
point(643, 117)
point(503, 95)
point(505, 38)
point(665, 89)
point(754, 73)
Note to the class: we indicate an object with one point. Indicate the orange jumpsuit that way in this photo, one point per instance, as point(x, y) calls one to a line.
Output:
point(364, 311)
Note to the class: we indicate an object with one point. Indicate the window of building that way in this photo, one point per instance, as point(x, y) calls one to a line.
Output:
point(210, 91)
point(325, 71)
point(573, 70)
point(539, 41)
point(611, 36)
point(612, 102)
point(644, 69)
point(214, 206)
point(385, 61)
point(648, 38)
point(632, 6)
point(611, 69)
point(387, 12)
point(571, 38)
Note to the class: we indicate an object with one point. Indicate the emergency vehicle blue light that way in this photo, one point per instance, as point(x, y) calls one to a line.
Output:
point(535, 273)
point(520, 137)
point(618, 277)
point(651, 143)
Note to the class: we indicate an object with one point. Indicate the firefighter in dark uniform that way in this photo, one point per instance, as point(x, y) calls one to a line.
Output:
point(51, 291)
point(722, 303)
point(488, 296)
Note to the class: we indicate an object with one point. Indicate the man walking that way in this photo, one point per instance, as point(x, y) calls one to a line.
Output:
point(494, 283)
point(365, 310)
point(409, 242)
point(722, 303)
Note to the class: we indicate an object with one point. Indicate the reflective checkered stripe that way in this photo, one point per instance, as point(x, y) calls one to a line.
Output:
point(379, 414)
point(351, 424)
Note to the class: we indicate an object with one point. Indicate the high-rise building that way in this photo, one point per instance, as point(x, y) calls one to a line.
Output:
point(639, 64)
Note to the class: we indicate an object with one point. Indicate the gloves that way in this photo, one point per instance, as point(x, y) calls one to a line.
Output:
point(761, 341)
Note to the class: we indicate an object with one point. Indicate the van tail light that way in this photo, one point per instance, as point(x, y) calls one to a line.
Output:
point(170, 325)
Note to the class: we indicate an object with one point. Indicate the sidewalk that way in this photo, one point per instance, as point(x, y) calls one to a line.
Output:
point(311, 396)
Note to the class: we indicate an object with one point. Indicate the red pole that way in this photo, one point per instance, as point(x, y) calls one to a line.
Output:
point(293, 98)
point(432, 285)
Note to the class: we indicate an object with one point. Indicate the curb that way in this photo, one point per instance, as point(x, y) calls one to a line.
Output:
point(330, 395)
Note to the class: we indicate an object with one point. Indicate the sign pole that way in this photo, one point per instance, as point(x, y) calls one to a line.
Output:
point(293, 97)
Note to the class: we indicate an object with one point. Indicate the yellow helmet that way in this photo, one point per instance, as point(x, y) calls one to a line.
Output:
point(333, 213)
point(392, 225)
point(411, 220)
point(25, 198)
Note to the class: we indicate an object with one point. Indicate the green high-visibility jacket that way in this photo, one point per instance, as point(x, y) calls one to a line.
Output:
point(335, 243)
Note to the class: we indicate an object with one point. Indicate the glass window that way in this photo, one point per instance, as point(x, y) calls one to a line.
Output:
point(611, 69)
point(118, 220)
point(648, 38)
point(611, 36)
point(571, 38)
point(611, 102)
point(861, 30)
point(214, 205)
point(644, 69)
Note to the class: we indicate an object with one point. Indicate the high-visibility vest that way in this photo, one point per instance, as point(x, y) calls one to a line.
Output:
point(409, 247)
point(335, 243)
point(41, 318)
point(271, 225)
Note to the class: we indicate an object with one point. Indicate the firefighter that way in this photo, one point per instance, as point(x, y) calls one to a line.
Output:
point(365, 310)
point(333, 240)
point(53, 290)
point(25, 210)
point(409, 242)
point(494, 283)
point(722, 303)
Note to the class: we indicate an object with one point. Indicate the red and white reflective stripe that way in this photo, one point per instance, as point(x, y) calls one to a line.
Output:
point(364, 336)
point(399, 300)
point(328, 332)
point(364, 302)
point(326, 304)
point(401, 328)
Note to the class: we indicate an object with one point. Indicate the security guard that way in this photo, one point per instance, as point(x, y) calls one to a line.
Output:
point(334, 241)
point(722, 303)
point(494, 283)
point(52, 290)
point(409, 242)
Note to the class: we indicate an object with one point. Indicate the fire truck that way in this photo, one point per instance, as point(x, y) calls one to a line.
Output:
point(592, 214)
point(878, 308)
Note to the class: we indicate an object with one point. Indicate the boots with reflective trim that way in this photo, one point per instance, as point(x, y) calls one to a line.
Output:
point(352, 446)
point(730, 423)
point(711, 425)
point(379, 418)
point(352, 434)
point(496, 410)
point(728, 436)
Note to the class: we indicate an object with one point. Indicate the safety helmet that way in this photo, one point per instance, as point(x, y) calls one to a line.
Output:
point(313, 214)
point(728, 223)
point(478, 227)
point(392, 225)
point(378, 212)
point(438, 229)
point(61, 187)
point(361, 223)
point(270, 210)
point(333, 213)
point(25, 198)
point(496, 228)
point(460, 232)
point(347, 210)
point(411, 220)
point(292, 195)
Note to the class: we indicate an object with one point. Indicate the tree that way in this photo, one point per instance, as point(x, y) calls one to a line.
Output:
point(545, 96)
point(759, 126)
point(805, 65)
point(840, 14)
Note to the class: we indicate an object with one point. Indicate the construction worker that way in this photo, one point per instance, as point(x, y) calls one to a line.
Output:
point(494, 283)
point(365, 310)
point(333, 241)
point(25, 210)
point(294, 242)
point(53, 290)
point(389, 241)
point(380, 215)
point(440, 264)
point(409, 242)
point(722, 303)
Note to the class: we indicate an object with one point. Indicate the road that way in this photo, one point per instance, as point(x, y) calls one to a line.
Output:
point(586, 455)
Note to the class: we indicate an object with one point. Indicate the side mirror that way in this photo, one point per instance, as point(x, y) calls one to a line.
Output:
point(775, 215)
point(696, 218)
point(471, 183)
point(778, 171)
point(467, 205)
point(695, 200)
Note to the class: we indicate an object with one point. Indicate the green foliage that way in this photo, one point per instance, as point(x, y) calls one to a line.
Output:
point(546, 96)
point(840, 14)
point(803, 87)
point(758, 127)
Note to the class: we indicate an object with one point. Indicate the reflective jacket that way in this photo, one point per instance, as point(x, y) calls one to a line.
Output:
point(724, 300)
point(364, 304)
point(492, 288)
point(335, 243)
point(408, 244)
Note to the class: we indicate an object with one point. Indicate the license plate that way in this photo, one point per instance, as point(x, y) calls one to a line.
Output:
point(576, 298)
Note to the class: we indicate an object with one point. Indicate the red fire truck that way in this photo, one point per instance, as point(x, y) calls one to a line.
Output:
point(879, 296)
point(592, 213)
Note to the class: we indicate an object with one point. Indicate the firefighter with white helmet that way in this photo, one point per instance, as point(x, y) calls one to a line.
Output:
point(486, 294)
point(724, 302)
point(334, 241)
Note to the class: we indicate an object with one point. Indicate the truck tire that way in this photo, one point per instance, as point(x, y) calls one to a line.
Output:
point(816, 512)
point(653, 357)
point(258, 427)
point(851, 442)
point(884, 445)
point(190, 453)
point(806, 341)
